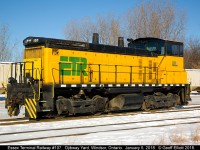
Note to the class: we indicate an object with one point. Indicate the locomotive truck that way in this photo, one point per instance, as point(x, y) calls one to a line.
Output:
point(64, 77)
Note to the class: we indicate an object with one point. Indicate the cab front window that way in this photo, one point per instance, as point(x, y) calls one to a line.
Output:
point(151, 46)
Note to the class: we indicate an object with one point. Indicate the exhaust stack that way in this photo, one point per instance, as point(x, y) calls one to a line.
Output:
point(120, 41)
point(95, 38)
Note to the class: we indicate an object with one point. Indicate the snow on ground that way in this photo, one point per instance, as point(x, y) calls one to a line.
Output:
point(145, 136)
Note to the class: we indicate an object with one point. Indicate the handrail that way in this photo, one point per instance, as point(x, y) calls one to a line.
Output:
point(115, 70)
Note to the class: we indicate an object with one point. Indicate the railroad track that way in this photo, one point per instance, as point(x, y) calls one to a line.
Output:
point(23, 136)
point(15, 121)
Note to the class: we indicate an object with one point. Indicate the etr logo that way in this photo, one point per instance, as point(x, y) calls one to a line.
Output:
point(72, 66)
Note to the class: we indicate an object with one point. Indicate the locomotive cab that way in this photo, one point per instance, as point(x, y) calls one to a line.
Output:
point(157, 46)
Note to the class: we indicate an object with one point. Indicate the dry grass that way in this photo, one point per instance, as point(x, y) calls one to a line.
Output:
point(195, 136)
point(160, 141)
point(178, 137)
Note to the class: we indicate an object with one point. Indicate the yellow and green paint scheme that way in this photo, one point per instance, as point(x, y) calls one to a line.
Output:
point(52, 66)
point(78, 67)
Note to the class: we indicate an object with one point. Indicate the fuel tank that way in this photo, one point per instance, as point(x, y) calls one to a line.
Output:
point(126, 102)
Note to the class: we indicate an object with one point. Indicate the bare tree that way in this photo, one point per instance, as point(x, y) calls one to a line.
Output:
point(156, 18)
point(102, 29)
point(7, 46)
point(192, 54)
point(108, 28)
point(5, 53)
point(87, 28)
point(115, 31)
point(72, 31)
point(80, 30)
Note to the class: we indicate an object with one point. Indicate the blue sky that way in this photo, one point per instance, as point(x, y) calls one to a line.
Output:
point(48, 18)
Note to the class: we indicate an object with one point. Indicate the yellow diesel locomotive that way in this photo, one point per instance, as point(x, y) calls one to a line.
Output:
point(63, 77)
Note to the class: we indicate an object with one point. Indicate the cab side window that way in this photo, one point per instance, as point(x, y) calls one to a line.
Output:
point(181, 50)
point(174, 49)
point(169, 49)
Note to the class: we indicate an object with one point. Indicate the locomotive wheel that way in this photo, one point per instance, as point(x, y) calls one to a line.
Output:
point(95, 97)
point(178, 99)
point(144, 106)
point(100, 104)
point(62, 107)
point(59, 107)
point(107, 107)
point(182, 98)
